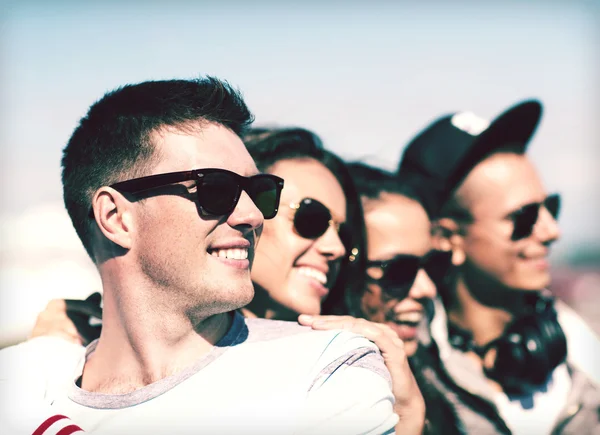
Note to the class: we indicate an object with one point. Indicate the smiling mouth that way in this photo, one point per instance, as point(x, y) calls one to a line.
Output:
point(230, 254)
point(412, 319)
point(315, 274)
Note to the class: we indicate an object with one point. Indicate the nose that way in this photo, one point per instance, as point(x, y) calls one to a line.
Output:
point(546, 228)
point(423, 287)
point(330, 245)
point(246, 214)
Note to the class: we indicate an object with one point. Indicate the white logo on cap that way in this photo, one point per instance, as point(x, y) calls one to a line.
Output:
point(469, 123)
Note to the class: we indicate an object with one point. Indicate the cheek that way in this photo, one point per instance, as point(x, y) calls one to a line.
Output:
point(168, 233)
point(171, 250)
point(276, 254)
point(501, 258)
point(492, 248)
point(273, 247)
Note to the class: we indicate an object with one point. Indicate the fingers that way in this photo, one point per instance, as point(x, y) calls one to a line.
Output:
point(382, 335)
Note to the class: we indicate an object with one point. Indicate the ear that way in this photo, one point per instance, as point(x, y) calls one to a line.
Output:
point(112, 212)
point(447, 236)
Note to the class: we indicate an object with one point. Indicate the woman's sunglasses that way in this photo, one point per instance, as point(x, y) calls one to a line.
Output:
point(397, 276)
point(218, 190)
point(526, 217)
point(312, 219)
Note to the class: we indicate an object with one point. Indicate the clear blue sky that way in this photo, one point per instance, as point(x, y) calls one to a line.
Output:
point(365, 76)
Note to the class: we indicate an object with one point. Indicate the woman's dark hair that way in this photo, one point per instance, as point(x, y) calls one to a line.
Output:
point(371, 182)
point(268, 146)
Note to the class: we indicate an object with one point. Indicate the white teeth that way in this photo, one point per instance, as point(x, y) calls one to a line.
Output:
point(313, 273)
point(232, 254)
point(412, 317)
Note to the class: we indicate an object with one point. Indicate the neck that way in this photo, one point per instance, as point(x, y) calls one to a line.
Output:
point(485, 317)
point(146, 337)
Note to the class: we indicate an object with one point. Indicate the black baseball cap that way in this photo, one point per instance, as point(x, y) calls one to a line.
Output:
point(439, 158)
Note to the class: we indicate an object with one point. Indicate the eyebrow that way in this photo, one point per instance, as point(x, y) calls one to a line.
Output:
point(334, 216)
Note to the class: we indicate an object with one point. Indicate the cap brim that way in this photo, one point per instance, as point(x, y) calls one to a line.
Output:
point(514, 128)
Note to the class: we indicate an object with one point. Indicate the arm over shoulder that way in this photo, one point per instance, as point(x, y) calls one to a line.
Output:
point(351, 392)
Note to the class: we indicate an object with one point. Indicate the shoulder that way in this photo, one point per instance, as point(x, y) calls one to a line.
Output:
point(32, 374)
point(39, 351)
point(268, 330)
point(328, 350)
point(38, 364)
point(583, 403)
point(333, 341)
point(582, 342)
point(584, 386)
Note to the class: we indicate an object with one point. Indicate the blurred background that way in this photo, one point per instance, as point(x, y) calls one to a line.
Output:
point(365, 77)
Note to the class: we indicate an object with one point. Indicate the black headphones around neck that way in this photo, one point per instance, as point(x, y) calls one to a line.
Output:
point(528, 351)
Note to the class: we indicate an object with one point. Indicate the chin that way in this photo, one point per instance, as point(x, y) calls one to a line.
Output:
point(237, 298)
point(532, 284)
point(245, 297)
point(306, 306)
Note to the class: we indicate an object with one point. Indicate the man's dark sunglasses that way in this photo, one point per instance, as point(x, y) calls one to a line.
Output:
point(398, 274)
point(312, 219)
point(218, 190)
point(525, 218)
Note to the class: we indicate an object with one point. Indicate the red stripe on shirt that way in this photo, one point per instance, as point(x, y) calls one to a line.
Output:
point(68, 430)
point(46, 424)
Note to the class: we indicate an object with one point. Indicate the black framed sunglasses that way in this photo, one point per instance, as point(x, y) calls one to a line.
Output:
point(525, 218)
point(218, 190)
point(312, 219)
point(398, 274)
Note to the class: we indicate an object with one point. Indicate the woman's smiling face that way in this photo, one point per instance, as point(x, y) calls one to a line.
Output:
point(296, 272)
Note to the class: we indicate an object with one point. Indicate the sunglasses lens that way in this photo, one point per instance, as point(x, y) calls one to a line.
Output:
point(264, 192)
point(524, 221)
point(399, 276)
point(311, 219)
point(218, 193)
point(552, 204)
point(437, 265)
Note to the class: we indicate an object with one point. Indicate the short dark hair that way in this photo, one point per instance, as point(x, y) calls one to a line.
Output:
point(113, 140)
point(268, 146)
point(456, 206)
point(371, 182)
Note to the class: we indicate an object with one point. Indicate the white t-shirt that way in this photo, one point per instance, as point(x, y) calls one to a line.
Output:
point(262, 377)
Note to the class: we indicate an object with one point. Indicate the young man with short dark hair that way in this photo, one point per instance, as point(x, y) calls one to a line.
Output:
point(498, 335)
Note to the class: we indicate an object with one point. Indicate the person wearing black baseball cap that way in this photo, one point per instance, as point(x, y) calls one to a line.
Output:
point(497, 333)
